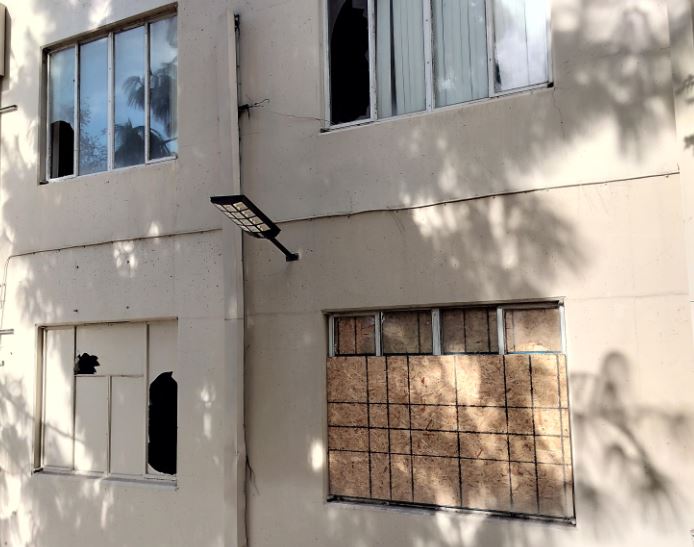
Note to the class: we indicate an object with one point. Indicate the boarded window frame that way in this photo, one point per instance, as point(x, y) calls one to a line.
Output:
point(428, 76)
point(355, 411)
point(148, 474)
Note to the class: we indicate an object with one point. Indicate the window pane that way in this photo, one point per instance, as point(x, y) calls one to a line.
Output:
point(58, 393)
point(533, 330)
point(93, 106)
point(119, 349)
point(129, 96)
point(61, 104)
point(127, 426)
point(162, 102)
point(348, 26)
point(400, 57)
point(460, 51)
point(520, 43)
point(91, 423)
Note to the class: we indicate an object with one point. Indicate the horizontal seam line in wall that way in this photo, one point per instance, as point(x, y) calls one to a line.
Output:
point(474, 198)
point(110, 242)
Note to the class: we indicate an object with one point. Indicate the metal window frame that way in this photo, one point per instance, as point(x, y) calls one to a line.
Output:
point(109, 34)
point(437, 325)
point(430, 83)
point(39, 463)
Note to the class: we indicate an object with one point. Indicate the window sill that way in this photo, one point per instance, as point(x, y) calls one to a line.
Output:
point(404, 507)
point(149, 481)
point(109, 172)
point(532, 90)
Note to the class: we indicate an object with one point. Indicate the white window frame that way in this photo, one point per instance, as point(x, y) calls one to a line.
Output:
point(428, 63)
point(39, 465)
point(110, 140)
point(436, 325)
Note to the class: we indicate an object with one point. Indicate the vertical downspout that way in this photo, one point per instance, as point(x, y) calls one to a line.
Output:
point(234, 310)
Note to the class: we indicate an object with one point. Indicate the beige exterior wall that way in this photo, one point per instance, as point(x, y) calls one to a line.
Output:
point(594, 216)
point(144, 243)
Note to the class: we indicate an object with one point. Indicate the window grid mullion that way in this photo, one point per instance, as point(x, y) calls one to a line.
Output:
point(428, 55)
point(76, 114)
point(146, 396)
point(147, 91)
point(49, 144)
point(109, 406)
point(491, 65)
point(373, 94)
point(111, 114)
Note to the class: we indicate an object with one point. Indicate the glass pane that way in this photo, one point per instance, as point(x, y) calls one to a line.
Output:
point(163, 131)
point(61, 105)
point(533, 330)
point(129, 97)
point(348, 24)
point(400, 57)
point(460, 51)
point(93, 107)
point(520, 43)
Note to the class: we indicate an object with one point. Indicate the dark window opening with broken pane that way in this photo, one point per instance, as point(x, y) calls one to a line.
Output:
point(109, 400)
point(476, 429)
point(348, 25)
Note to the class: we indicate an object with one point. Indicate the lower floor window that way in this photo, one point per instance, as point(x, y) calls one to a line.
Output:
point(109, 399)
point(460, 408)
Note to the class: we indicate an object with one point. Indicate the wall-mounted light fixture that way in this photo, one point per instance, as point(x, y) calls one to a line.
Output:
point(246, 215)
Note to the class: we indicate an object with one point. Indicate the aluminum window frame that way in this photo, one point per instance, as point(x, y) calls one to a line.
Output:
point(39, 464)
point(429, 75)
point(75, 43)
point(437, 326)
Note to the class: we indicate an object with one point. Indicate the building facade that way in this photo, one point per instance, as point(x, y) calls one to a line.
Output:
point(487, 339)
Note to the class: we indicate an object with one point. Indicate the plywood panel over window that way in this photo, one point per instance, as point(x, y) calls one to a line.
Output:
point(473, 430)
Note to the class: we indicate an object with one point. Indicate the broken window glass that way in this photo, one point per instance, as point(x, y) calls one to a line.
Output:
point(86, 364)
point(349, 60)
point(520, 43)
point(163, 423)
point(61, 112)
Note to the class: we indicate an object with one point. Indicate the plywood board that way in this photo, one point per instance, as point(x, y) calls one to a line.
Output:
point(398, 384)
point(434, 417)
point(432, 379)
point(486, 485)
point(545, 380)
point(480, 380)
point(518, 391)
point(349, 474)
point(346, 379)
point(482, 419)
point(399, 416)
point(483, 446)
point(533, 330)
point(365, 335)
point(380, 476)
point(378, 392)
point(523, 482)
point(378, 415)
point(434, 443)
point(348, 438)
point(401, 477)
point(353, 414)
point(436, 481)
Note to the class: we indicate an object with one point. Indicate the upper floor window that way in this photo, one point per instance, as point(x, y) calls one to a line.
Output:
point(392, 57)
point(112, 100)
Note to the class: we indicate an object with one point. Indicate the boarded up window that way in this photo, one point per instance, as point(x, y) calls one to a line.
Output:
point(407, 332)
point(355, 335)
point(96, 396)
point(480, 431)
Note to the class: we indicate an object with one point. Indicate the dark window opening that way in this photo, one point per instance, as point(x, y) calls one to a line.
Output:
point(349, 60)
point(62, 149)
point(86, 364)
point(163, 423)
